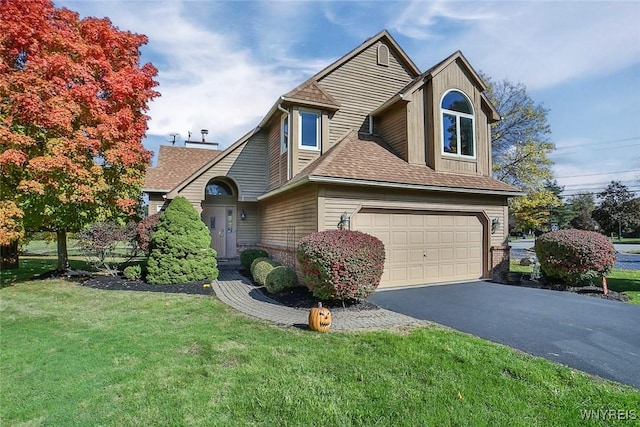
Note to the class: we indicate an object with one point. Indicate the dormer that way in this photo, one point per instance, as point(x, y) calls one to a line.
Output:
point(441, 119)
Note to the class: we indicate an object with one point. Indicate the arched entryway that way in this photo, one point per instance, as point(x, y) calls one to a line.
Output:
point(219, 213)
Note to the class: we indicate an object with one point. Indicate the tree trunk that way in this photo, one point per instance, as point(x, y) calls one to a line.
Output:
point(619, 229)
point(63, 256)
point(9, 256)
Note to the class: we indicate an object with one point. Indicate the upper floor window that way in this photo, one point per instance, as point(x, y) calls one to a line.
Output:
point(284, 134)
point(309, 129)
point(458, 136)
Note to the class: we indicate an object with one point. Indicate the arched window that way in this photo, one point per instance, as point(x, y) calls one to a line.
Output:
point(458, 136)
point(218, 188)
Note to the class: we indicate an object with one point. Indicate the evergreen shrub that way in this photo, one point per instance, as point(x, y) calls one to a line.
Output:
point(280, 278)
point(181, 247)
point(248, 255)
point(261, 269)
point(341, 264)
point(574, 257)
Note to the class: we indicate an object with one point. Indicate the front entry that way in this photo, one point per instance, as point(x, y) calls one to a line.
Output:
point(222, 226)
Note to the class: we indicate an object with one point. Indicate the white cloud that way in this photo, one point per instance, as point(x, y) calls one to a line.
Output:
point(539, 43)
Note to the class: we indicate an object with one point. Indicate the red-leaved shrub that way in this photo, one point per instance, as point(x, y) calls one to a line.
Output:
point(341, 264)
point(145, 228)
point(575, 256)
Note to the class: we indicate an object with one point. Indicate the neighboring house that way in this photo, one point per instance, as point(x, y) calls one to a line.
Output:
point(399, 154)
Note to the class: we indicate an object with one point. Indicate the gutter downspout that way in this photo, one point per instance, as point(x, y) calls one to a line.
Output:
point(279, 106)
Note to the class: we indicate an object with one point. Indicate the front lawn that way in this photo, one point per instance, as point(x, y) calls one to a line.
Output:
point(72, 355)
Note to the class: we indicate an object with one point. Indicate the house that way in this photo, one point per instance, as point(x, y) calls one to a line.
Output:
point(369, 143)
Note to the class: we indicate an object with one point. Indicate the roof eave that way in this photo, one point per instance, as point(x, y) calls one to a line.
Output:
point(320, 179)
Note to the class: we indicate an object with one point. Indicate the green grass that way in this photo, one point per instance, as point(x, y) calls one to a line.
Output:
point(626, 240)
point(78, 356)
point(625, 281)
point(32, 266)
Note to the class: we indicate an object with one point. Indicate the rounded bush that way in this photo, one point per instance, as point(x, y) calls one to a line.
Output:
point(181, 247)
point(262, 268)
point(341, 264)
point(280, 279)
point(255, 262)
point(574, 256)
point(249, 255)
point(133, 272)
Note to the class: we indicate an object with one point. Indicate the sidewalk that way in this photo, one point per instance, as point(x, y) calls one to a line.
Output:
point(234, 290)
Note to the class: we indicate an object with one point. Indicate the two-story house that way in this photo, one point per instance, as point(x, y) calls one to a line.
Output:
point(369, 143)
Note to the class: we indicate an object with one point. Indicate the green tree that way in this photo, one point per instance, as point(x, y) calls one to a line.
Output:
point(582, 207)
point(73, 97)
point(520, 140)
point(181, 247)
point(532, 212)
point(561, 215)
point(617, 209)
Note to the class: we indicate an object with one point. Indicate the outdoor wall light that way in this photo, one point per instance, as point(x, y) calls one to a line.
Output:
point(495, 224)
point(243, 215)
point(345, 222)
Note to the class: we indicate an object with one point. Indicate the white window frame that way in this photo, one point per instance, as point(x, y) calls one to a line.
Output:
point(457, 115)
point(318, 115)
point(284, 135)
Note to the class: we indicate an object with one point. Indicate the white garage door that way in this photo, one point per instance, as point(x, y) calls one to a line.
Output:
point(425, 247)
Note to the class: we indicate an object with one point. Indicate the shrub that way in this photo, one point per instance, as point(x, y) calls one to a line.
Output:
point(341, 264)
point(255, 262)
point(107, 245)
point(181, 247)
point(574, 256)
point(280, 278)
point(262, 268)
point(144, 230)
point(133, 272)
point(248, 255)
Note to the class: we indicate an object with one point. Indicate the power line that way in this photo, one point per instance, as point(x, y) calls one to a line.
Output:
point(596, 174)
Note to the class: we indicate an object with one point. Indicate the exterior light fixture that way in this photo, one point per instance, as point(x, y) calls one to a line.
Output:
point(243, 215)
point(345, 222)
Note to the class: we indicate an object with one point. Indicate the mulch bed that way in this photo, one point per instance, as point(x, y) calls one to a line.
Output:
point(118, 283)
point(301, 297)
point(593, 291)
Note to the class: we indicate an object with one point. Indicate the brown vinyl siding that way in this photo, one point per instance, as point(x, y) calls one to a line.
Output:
point(248, 230)
point(245, 165)
point(277, 161)
point(336, 200)
point(392, 127)
point(360, 86)
point(287, 218)
point(455, 77)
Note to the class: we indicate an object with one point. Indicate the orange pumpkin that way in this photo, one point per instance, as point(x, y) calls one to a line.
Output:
point(320, 318)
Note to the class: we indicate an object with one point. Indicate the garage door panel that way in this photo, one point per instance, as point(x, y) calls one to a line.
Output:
point(426, 247)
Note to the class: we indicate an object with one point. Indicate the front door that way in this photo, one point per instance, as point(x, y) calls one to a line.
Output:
point(222, 226)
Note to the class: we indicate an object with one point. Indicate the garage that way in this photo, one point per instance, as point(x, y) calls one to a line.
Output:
point(426, 247)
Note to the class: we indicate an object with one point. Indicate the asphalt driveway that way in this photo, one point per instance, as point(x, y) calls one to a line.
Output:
point(593, 335)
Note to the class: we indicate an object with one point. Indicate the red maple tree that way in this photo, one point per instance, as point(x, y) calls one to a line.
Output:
point(73, 98)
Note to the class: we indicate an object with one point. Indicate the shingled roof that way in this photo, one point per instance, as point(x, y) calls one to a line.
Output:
point(366, 159)
point(175, 164)
point(311, 93)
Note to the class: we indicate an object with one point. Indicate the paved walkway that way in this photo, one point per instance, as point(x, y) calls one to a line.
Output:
point(236, 291)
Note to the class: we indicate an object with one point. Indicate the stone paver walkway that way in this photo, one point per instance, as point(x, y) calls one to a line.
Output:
point(234, 290)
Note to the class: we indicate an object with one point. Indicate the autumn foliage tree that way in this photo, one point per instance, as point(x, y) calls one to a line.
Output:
point(73, 98)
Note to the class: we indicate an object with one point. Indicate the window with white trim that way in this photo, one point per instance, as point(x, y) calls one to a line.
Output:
point(309, 130)
point(284, 134)
point(458, 135)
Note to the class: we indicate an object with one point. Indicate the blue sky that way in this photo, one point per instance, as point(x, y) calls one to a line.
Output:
point(222, 64)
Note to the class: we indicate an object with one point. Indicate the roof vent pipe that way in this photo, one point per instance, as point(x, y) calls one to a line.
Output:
point(204, 133)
